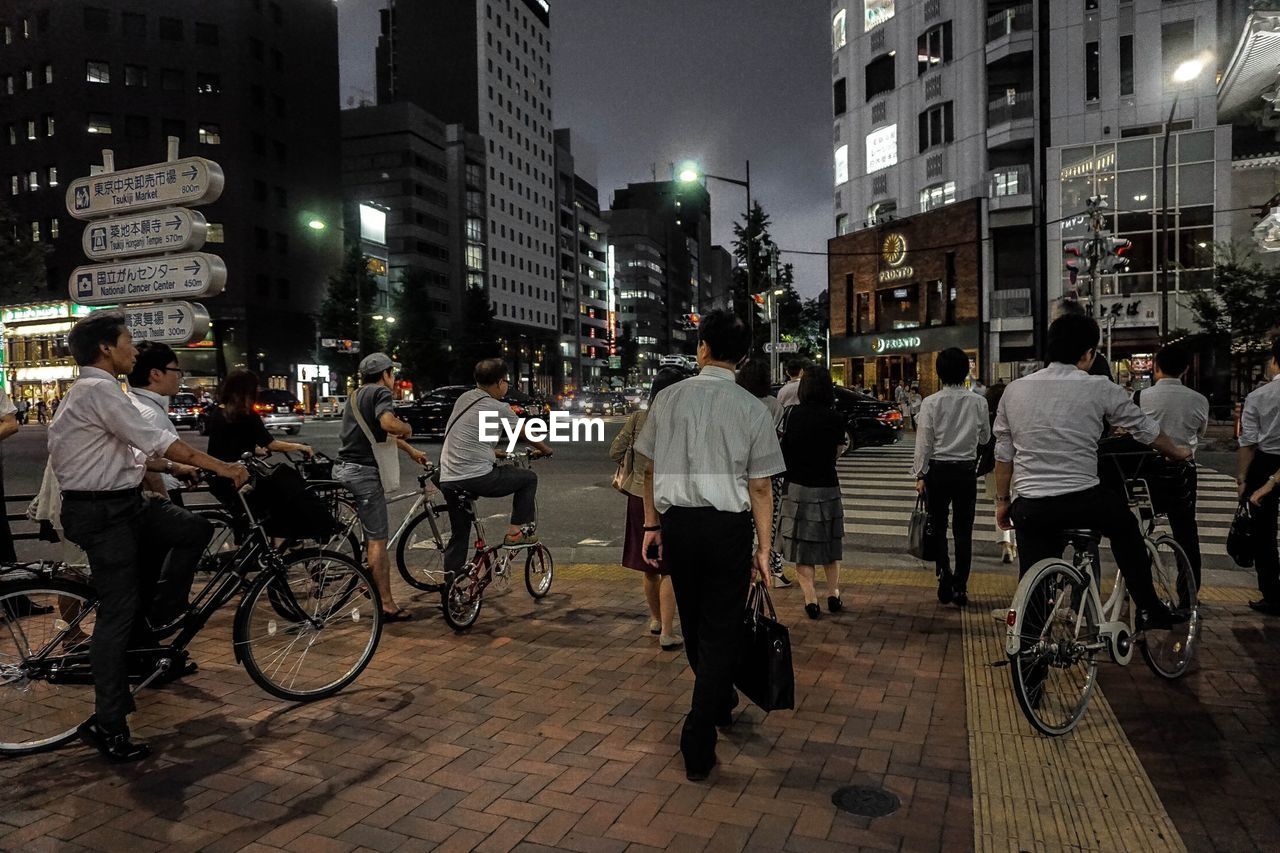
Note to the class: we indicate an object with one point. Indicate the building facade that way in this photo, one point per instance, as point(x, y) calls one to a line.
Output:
point(587, 301)
point(496, 57)
point(251, 85)
point(903, 291)
point(1026, 106)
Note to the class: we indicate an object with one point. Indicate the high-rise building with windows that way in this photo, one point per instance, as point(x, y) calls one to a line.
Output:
point(587, 301)
point(252, 85)
point(1029, 108)
point(486, 65)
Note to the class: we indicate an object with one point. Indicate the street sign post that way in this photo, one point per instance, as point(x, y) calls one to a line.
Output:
point(147, 279)
point(190, 181)
point(782, 346)
point(173, 229)
point(168, 322)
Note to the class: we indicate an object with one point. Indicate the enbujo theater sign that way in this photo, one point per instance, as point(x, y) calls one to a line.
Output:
point(894, 252)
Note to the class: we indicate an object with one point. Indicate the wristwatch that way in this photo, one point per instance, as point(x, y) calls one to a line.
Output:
point(1002, 499)
point(168, 466)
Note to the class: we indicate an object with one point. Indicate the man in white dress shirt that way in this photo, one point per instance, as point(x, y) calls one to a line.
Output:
point(1257, 476)
point(789, 394)
point(100, 447)
point(1047, 430)
point(1183, 415)
point(155, 378)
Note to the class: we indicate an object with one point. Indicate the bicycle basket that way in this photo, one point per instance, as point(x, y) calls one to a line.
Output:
point(289, 509)
point(318, 467)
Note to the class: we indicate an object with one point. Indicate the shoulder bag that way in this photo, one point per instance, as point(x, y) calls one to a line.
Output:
point(763, 669)
point(627, 466)
point(385, 453)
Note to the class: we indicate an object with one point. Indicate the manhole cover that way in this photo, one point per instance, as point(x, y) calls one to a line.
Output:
point(865, 801)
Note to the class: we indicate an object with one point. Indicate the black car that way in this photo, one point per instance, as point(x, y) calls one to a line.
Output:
point(185, 410)
point(429, 416)
point(871, 421)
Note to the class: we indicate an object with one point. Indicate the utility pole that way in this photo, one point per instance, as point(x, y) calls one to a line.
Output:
point(773, 316)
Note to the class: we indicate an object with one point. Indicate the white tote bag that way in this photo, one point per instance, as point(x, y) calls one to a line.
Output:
point(385, 453)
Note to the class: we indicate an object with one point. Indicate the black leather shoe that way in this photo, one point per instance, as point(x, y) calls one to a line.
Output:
point(813, 610)
point(1160, 618)
point(834, 604)
point(945, 593)
point(117, 749)
point(960, 598)
point(700, 774)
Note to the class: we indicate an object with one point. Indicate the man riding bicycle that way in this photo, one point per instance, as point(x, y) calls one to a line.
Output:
point(1047, 430)
point(467, 463)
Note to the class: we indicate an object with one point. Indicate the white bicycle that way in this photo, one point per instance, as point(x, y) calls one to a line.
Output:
point(1058, 625)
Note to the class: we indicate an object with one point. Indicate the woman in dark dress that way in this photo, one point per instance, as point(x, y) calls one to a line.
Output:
point(812, 527)
point(235, 429)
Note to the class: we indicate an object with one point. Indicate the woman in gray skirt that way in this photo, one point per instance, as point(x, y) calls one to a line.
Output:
point(812, 527)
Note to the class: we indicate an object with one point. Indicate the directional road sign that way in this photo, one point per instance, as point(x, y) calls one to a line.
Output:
point(149, 279)
point(190, 182)
point(173, 229)
point(782, 346)
point(168, 322)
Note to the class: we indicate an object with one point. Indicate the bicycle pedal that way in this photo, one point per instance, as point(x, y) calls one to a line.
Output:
point(996, 663)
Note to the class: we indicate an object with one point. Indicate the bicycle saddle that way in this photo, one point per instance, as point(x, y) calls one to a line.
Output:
point(1078, 537)
point(459, 494)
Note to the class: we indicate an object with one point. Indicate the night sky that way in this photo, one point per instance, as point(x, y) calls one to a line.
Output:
point(644, 84)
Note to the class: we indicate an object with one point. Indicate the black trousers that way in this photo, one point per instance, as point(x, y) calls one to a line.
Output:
point(500, 482)
point(1185, 529)
point(1266, 559)
point(142, 551)
point(1038, 524)
point(709, 555)
point(952, 486)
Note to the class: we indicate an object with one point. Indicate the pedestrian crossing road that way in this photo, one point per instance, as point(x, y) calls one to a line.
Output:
point(879, 494)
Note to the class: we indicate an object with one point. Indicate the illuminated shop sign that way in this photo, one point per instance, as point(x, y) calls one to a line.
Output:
point(879, 345)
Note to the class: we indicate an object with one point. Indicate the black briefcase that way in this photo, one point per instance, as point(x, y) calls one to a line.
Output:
point(763, 670)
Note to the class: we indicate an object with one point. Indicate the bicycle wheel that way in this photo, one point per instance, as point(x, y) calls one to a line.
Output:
point(1055, 667)
point(464, 594)
point(46, 687)
point(539, 569)
point(420, 551)
point(305, 630)
point(1169, 652)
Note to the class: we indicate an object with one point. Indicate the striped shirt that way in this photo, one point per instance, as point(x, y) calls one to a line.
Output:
point(1260, 420)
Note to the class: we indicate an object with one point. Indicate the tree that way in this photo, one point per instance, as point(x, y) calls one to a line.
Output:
point(811, 329)
point(479, 339)
point(1243, 303)
point(753, 230)
point(414, 339)
point(338, 311)
point(22, 262)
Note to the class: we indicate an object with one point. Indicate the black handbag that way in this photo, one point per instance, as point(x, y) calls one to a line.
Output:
point(1240, 537)
point(763, 669)
point(920, 532)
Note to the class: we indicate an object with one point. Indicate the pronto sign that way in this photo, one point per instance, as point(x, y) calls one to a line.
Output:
point(147, 279)
point(173, 229)
point(188, 182)
point(167, 322)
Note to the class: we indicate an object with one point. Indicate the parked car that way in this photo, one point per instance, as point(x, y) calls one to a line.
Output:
point(331, 407)
point(604, 403)
point(185, 410)
point(429, 415)
point(871, 421)
point(280, 410)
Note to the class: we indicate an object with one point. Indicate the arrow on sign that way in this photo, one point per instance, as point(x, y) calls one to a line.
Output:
point(176, 317)
point(194, 266)
point(176, 223)
point(191, 175)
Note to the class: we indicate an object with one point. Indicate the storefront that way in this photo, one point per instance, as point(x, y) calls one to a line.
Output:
point(37, 362)
point(903, 291)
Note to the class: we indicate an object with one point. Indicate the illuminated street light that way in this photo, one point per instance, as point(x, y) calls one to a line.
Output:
point(1188, 71)
point(1183, 74)
point(316, 224)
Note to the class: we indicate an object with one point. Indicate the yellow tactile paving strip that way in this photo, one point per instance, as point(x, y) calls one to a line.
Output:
point(1085, 791)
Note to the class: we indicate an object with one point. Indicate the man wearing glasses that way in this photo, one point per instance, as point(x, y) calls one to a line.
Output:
point(155, 378)
point(467, 463)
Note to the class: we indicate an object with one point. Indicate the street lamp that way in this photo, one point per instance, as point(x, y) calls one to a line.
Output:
point(316, 224)
point(1183, 74)
point(690, 174)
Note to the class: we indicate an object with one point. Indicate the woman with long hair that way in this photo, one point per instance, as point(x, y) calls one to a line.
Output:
point(235, 429)
point(657, 582)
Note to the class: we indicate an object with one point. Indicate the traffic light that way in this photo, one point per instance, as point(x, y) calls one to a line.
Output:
point(1075, 253)
point(689, 321)
point(1113, 259)
point(762, 307)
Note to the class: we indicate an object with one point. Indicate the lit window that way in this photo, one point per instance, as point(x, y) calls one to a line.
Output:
point(8, 84)
point(31, 78)
point(8, 35)
point(842, 164)
point(33, 180)
point(839, 32)
point(210, 134)
point(99, 123)
point(97, 72)
point(13, 184)
point(48, 74)
point(35, 231)
point(875, 13)
point(31, 130)
point(53, 176)
point(53, 228)
point(48, 126)
point(937, 195)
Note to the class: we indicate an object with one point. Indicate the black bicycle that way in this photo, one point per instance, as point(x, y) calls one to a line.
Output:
point(308, 622)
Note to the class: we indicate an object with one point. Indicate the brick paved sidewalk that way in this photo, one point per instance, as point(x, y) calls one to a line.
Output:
point(551, 725)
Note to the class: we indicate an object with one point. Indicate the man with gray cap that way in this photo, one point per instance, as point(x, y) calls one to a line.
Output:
point(368, 419)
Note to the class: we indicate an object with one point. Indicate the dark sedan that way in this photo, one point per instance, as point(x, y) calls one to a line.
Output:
point(185, 410)
point(429, 416)
point(871, 421)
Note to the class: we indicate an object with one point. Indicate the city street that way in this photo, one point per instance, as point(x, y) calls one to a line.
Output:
point(554, 725)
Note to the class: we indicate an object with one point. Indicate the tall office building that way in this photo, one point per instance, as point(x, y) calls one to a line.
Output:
point(1030, 108)
point(587, 300)
point(251, 85)
point(486, 64)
